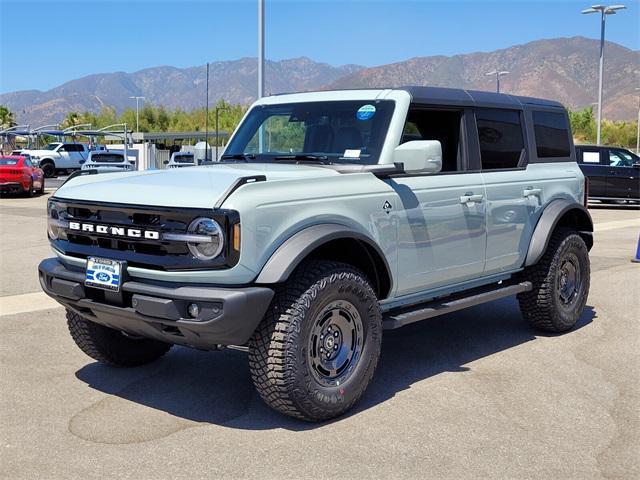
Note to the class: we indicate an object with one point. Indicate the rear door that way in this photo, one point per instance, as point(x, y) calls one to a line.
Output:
point(514, 191)
point(623, 179)
point(595, 166)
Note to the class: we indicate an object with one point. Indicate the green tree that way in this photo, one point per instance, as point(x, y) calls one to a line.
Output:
point(7, 118)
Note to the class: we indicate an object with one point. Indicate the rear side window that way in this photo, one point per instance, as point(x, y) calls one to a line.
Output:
point(552, 134)
point(501, 138)
point(588, 155)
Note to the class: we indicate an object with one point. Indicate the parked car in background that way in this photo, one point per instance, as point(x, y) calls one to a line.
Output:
point(19, 175)
point(107, 161)
point(613, 172)
point(58, 156)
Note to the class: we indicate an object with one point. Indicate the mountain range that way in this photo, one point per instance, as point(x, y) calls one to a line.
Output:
point(563, 69)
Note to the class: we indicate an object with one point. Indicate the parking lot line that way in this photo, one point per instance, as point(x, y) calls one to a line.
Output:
point(25, 303)
point(602, 227)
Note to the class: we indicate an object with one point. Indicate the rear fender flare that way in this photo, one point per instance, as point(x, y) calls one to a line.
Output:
point(559, 212)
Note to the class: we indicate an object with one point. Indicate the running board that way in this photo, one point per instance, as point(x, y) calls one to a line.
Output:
point(400, 318)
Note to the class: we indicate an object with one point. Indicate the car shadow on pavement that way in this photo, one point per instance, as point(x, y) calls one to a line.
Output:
point(216, 388)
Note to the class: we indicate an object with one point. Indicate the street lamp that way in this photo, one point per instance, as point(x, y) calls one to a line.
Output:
point(604, 11)
point(137, 112)
point(498, 74)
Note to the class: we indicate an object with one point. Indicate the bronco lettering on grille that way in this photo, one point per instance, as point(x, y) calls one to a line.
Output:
point(115, 231)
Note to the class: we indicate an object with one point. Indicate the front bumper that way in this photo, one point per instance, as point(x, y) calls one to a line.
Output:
point(228, 316)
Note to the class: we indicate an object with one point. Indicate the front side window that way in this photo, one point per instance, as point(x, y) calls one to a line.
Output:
point(501, 138)
point(334, 132)
point(620, 158)
point(552, 134)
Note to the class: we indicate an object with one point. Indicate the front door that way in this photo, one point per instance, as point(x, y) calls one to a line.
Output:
point(441, 218)
point(623, 179)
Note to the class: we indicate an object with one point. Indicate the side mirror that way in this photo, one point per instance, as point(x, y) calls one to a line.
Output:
point(166, 162)
point(81, 161)
point(419, 156)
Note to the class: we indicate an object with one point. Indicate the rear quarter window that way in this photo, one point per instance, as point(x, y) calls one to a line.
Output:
point(552, 134)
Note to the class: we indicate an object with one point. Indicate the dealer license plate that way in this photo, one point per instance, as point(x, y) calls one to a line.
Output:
point(103, 273)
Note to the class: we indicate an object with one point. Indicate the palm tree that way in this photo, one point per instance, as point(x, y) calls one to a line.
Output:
point(7, 118)
point(72, 119)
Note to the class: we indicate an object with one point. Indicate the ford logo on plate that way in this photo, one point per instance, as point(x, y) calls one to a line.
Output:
point(103, 277)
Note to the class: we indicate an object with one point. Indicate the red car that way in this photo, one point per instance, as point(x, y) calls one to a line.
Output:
point(19, 175)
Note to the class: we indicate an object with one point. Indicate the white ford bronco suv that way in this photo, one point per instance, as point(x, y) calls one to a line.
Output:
point(331, 217)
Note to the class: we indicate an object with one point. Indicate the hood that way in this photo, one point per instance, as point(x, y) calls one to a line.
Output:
point(195, 187)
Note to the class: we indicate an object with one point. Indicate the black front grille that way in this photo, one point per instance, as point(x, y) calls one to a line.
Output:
point(147, 253)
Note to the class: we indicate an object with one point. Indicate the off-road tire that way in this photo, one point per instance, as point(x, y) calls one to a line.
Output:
point(113, 347)
point(48, 168)
point(542, 306)
point(279, 348)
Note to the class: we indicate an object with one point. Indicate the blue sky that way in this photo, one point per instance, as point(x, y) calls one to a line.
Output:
point(47, 43)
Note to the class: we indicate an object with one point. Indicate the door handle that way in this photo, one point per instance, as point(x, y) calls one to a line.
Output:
point(471, 198)
point(531, 191)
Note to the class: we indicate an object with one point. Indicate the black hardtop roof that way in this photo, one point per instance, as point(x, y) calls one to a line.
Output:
point(459, 96)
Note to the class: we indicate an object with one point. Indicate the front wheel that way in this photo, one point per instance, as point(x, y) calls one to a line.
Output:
point(316, 350)
point(560, 284)
point(113, 347)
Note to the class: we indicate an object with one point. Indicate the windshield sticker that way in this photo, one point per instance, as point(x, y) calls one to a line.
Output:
point(366, 112)
point(351, 154)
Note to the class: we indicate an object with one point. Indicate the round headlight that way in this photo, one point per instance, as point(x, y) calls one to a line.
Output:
point(212, 238)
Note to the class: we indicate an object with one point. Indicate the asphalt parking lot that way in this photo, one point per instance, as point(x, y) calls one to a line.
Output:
point(476, 394)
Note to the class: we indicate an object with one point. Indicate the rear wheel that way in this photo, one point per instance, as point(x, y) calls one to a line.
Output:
point(49, 168)
point(113, 347)
point(29, 192)
point(316, 350)
point(560, 284)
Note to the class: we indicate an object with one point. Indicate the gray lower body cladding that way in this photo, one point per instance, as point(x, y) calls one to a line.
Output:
point(227, 316)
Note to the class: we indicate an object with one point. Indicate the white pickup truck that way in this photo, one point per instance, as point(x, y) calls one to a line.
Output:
point(58, 156)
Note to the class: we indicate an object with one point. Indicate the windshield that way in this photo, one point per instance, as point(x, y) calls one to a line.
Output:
point(51, 146)
point(338, 131)
point(107, 158)
point(183, 158)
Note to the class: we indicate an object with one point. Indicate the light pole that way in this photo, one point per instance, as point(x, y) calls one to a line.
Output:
point(137, 112)
point(604, 11)
point(260, 48)
point(217, 131)
point(498, 74)
point(206, 121)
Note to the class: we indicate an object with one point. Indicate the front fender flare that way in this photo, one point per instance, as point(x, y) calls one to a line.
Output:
point(552, 215)
point(295, 249)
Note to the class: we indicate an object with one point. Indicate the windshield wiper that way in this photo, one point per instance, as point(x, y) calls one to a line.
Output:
point(313, 158)
point(238, 156)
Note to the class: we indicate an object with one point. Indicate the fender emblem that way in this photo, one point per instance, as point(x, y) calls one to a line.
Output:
point(387, 207)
